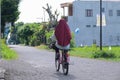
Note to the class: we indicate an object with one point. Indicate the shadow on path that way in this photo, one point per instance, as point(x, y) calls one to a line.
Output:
point(61, 76)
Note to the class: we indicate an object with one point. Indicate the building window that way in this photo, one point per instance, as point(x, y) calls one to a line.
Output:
point(118, 12)
point(89, 12)
point(103, 9)
point(94, 25)
point(88, 26)
point(110, 12)
point(118, 38)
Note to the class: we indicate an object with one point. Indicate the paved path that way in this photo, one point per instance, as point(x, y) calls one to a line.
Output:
point(2, 71)
point(34, 64)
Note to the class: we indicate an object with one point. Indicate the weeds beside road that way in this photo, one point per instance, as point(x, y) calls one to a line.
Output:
point(6, 52)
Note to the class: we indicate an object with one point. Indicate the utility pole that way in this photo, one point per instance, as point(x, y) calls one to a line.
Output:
point(100, 24)
point(0, 34)
point(43, 15)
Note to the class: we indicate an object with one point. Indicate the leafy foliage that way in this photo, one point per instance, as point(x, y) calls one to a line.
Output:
point(9, 12)
point(48, 35)
point(32, 34)
point(25, 34)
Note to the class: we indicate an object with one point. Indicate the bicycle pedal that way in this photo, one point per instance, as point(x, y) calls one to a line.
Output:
point(56, 58)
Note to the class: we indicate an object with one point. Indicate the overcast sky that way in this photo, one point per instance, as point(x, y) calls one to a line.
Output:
point(32, 11)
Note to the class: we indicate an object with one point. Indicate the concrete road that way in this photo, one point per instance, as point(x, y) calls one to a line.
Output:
point(34, 64)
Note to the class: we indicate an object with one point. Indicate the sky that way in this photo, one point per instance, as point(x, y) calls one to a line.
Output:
point(32, 11)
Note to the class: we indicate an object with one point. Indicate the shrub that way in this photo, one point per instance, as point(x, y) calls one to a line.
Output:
point(103, 54)
point(7, 53)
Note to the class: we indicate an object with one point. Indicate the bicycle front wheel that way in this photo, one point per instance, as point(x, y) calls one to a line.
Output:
point(57, 62)
point(57, 65)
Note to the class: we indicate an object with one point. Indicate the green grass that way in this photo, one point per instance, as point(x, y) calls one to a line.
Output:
point(87, 52)
point(7, 53)
point(81, 52)
point(42, 46)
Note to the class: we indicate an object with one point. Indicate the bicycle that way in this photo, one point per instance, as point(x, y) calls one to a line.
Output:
point(62, 59)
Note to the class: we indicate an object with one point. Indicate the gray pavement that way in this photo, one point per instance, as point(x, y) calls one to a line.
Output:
point(34, 64)
point(2, 71)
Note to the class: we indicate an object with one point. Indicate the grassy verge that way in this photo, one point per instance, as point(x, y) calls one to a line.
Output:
point(42, 46)
point(6, 52)
point(112, 54)
point(87, 52)
point(84, 52)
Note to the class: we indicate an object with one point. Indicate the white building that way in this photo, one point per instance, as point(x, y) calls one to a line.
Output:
point(82, 14)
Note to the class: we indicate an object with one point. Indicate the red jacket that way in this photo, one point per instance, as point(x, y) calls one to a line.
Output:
point(62, 33)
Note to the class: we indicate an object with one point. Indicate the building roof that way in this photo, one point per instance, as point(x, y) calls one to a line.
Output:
point(67, 4)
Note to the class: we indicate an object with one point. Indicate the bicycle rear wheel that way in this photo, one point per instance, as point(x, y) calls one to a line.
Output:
point(65, 65)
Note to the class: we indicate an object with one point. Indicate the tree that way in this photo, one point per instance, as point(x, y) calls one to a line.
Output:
point(9, 12)
point(25, 34)
point(53, 17)
point(19, 24)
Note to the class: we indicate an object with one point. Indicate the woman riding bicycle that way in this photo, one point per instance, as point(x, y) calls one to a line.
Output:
point(62, 35)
